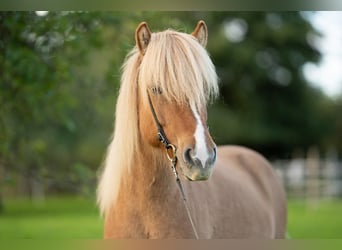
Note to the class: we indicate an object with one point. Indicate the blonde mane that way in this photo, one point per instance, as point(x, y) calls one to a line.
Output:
point(177, 64)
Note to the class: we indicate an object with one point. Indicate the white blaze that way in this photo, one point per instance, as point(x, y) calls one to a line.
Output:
point(201, 151)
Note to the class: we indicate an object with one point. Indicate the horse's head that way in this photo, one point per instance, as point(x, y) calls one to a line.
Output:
point(178, 77)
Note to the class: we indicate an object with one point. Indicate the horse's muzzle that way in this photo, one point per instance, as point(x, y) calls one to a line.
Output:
point(195, 169)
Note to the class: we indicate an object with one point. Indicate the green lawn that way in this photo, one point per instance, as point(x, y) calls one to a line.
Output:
point(78, 218)
point(318, 220)
point(57, 218)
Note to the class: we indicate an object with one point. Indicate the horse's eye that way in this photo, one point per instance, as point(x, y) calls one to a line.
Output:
point(156, 90)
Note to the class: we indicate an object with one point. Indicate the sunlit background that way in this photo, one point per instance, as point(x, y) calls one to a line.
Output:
point(281, 94)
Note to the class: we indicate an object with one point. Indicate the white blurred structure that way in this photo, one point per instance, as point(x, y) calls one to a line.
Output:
point(312, 177)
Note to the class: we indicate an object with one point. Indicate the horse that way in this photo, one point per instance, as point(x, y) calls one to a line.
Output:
point(229, 191)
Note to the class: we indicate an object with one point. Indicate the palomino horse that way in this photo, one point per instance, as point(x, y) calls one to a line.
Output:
point(232, 192)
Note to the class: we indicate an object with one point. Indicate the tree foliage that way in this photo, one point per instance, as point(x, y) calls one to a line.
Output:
point(273, 107)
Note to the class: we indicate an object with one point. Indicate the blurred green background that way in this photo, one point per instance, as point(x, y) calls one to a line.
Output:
point(59, 78)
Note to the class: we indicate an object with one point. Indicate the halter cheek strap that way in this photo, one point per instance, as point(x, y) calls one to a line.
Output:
point(170, 148)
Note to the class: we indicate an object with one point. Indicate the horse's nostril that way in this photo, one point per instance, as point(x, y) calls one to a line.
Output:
point(199, 161)
point(187, 155)
point(212, 158)
point(214, 154)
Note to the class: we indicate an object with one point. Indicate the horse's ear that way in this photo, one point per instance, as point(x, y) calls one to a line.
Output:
point(142, 37)
point(201, 33)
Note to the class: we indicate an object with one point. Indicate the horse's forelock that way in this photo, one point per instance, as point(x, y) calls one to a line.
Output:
point(180, 66)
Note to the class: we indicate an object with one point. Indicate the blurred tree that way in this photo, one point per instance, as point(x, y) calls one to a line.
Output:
point(40, 57)
point(266, 102)
point(333, 109)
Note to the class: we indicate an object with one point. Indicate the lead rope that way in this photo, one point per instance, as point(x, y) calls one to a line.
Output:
point(171, 155)
point(174, 170)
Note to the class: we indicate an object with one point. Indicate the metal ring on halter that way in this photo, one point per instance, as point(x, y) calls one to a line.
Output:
point(171, 152)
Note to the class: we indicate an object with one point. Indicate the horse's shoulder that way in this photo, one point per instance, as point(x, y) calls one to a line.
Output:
point(245, 160)
point(240, 153)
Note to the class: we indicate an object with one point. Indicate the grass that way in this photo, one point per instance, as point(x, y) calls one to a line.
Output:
point(78, 218)
point(318, 220)
point(57, 218)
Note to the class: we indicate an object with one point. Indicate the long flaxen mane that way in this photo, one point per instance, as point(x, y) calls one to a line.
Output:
point(177, 64)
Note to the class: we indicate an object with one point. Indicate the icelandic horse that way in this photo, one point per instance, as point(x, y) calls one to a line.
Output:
point(161, 113)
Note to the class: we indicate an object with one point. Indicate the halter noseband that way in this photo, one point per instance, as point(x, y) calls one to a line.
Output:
point(171, 155)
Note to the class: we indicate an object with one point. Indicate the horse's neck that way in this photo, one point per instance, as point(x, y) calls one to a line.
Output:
point(149, 204)
point(146, 200)
point(150, 180)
